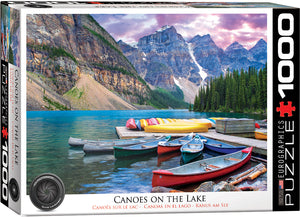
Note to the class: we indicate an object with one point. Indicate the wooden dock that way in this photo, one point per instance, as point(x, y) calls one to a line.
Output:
point(259, 146)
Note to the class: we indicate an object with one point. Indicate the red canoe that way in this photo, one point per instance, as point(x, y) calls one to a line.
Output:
point(152, 121)
point(130, 124)
point(166, 149)
point(201, 170)
point(173, 145)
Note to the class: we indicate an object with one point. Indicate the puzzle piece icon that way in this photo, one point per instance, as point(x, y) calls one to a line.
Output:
point(286, 109)
point(4, 133)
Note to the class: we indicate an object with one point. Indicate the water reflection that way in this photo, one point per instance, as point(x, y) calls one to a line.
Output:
point(48, 151)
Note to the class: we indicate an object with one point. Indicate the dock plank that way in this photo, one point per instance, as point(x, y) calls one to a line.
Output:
point(259, 146)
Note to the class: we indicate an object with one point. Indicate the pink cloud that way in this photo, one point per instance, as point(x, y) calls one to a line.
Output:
point(235, 21)
point(223, 28)
point(173, 19)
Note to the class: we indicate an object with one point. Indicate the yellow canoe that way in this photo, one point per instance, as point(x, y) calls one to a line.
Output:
point(217, 118)
point(171, 120)
point(144, 123)
point(160, 120)
point(178, 127)
point(260, 135)
point(210, 124)
point(197, 122)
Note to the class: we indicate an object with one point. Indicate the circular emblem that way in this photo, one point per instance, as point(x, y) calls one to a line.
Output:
point(47, 192)
point(14, 190)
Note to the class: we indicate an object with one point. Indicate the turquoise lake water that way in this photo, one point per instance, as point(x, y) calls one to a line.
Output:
point(48, 150)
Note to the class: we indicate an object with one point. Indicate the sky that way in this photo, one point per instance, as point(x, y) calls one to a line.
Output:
point(224, 29)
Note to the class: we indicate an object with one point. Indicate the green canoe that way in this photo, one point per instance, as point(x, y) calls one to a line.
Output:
point(139, 149)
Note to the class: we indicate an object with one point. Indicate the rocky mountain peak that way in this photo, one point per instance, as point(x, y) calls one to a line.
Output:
point(71, 46)
point(260, 45)
point(236, 50)
point(261, 42)
point(202, 39)
point(161, 40)
point(125, 47)
point(167, 52)
point(166, 27)
point(163, 52)
point(234, 46)
point(259, 51)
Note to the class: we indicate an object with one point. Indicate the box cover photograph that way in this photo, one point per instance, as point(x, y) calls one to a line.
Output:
point(148, 110)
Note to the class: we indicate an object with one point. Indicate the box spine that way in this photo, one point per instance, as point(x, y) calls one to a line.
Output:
point(10, 108)
point(286, 109)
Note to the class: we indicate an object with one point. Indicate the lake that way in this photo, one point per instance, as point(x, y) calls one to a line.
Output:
point(48, 150)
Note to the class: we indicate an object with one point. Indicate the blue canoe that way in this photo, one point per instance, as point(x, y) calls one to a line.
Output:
point(220, 147)
point(192, 149)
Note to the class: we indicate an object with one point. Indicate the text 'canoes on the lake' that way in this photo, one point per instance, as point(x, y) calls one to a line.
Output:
point(201, 170)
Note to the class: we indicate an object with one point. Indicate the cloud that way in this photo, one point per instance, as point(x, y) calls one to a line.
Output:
point(127, 27)
point(173, 19)
point(236, 21)
point(224, 29)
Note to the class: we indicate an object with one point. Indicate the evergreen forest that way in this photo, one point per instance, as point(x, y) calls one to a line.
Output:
point(236, 91)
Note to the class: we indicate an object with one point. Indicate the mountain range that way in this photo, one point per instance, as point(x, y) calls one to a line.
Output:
point(70, 56)
point(165, 59)
point(63, 48)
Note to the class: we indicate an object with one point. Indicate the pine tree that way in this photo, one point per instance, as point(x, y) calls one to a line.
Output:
point(208, 97)
point(233, 93)
point(202, 99)
point(238, 91)
point(227, 100)
point(196, 103)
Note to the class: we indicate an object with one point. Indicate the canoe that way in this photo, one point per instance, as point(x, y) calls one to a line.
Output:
point(171, 120)
point(201, 170)
point(165, 121)
point(173, 145)
point(139, 149)
point(138, 125)
point(220, 147)
point(107, 148)
point(261, 124)
point(160, 120)
point(217, 118)
point(130, 124)
point(91, 148)
point(143, 123)
point(177, 127)
point(260, 135)
point(192, 149)
point(76, 142)
point(213, 121)
point(153, 121)
point(210, 123)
